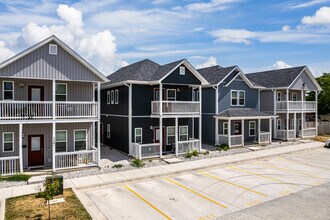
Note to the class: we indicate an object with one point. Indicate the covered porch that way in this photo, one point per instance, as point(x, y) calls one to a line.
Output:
point(239, 127)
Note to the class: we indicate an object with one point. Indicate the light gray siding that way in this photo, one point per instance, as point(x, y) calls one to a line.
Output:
point(303, 78)
point(39, 64)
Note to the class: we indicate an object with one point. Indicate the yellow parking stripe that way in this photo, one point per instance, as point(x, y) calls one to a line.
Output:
point(260, 175)
point(196, 193)
point(288, 170)
point(233, 184)
point(148, 203)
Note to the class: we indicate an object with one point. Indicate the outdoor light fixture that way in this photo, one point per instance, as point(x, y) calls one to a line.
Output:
point(21, 85)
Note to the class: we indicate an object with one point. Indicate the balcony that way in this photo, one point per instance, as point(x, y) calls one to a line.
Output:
point(32, 110)
point(296, 105)
point(176, 108)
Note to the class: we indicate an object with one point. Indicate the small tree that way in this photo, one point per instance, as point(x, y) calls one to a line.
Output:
point(52, 188)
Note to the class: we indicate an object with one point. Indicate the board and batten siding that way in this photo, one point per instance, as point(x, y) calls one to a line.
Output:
point(39, 64)
point(76, 91)
point(175, 78)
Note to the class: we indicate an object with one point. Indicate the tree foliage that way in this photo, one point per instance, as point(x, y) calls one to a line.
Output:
point(324, 96)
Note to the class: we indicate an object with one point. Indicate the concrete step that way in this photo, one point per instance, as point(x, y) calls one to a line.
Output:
point(172, 160)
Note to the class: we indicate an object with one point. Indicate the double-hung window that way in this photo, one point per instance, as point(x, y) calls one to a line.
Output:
point(183, 133)
point(171, 94)
point(279, 96)
point(8, 141)
point(170, 135)
point(8, 90)
point(225, 128)
point(61, 92)
point(238, 98)
point(252, 128)
point(108, 130)
point(138, 135)
point(294, 96)
point(80, 139)
point(116, 96)
point(61, 141)
point(182, 70)
point(279, 125)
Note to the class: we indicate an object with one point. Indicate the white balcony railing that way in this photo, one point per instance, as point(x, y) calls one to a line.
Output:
point(307, 132)
point(176, 107)
point(235, 140)
point(190, 145)
point(142, 151)
point(282, 134)
point(264, 137)
point(31, 110)
point(296, 105)
point(9, 165)
point(76, 159)
point(310, 124)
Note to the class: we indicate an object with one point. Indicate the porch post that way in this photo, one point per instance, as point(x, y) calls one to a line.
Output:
point(216, 131)
point(54, 98)
point(161, 119)
point(176, 137)
point(316, 116)
point(270, 130)
point(275, 121)
point(259, 125)
point(200, 119)
point(98, 123)
point(302, 113)
point(243, 132)
point(229, 132)
point(20, 150)
point(294, 125)
point(53, 146)
point(287, 114)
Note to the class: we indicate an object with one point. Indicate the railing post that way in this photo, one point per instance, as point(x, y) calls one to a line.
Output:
point(140, 151)
point(176, 137)
point(161, 119)
point(229, 132)
point(20, 146)
point(200, 119)
point(243, 132)
point(259, 125)
point(53, 145)
point(270, 130)
point(316, 114)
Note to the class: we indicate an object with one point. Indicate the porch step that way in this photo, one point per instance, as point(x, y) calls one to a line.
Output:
point(172, 160)
point(36, 179)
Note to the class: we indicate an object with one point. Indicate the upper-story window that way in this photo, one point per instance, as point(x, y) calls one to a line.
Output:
point(171, 94)
point(8, 90)
point(108, 97)
point(294, 96)
point(279, 96)
point(237, 97)
point(116, 96)
point(52, 49)
point(112, 97)
point(61, 92)
point(182, 70)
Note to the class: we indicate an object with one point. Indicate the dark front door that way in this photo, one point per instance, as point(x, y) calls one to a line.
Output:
point(238, 128)
point(36, 93)
point(36, 150)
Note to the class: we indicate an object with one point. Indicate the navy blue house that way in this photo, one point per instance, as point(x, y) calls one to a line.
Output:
point(231, 109)
point(142, 121)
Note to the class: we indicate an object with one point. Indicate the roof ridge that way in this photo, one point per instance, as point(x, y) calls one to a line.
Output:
point(275, 70)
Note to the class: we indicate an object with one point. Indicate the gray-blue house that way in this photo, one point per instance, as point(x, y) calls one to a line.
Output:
point(231, 109)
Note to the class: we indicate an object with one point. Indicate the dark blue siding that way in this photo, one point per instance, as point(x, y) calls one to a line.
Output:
point(117, 109)
point(142, 95)
point(188, 79)
point(208, 128)
point(208, 100)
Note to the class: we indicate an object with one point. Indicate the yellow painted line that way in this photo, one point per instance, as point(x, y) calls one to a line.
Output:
point(233, 184)
point(196, 193)
point(260, 175)
point(148, 203)
point(286, 169)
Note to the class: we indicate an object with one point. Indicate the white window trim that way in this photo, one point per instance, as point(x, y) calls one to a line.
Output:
point(116, 96)
point(279, 122)
point(252, 122)
point(167, 94)
point(66, 140)
point(3, 90)
point(138, 135)
point(108, 97)
point(279, 95)
point(294, 93)
point(237, 99)
point(108, 131)
point(223, 128)
point(183, 134)
point(74, 137)
point(182, 70)
point(112, 97)
point(169, 135)
point(66, 90)
point(52, 45)
point(3, 141)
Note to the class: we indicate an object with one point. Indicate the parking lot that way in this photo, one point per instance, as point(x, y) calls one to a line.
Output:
point(212, 193)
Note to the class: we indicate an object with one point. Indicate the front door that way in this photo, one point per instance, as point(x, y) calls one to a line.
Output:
point(238, 128)
point(35, 93)
point(157, 135)
point(36, 150)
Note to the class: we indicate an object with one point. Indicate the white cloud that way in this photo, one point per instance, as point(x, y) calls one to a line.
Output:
point(210, 6)
point(234, 35)
point(212, 61)
point(281, 65)
point(321, 17)
point(305, 4)
point(158, 2)
point(5, 53)
point(286, 28)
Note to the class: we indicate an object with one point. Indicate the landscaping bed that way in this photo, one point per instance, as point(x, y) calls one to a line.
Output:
point(30, 207)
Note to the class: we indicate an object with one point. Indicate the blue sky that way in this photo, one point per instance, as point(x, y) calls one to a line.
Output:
point(256, 35)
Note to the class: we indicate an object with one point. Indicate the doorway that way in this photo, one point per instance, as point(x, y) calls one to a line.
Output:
point(36, 150)
point(35, 93)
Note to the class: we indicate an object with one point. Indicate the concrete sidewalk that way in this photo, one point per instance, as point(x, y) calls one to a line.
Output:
point(161, 171)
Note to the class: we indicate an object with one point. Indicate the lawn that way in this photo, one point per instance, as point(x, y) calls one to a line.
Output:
point(30, 207)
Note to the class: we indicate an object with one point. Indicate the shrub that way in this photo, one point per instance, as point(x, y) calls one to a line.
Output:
point(188, 154)
point(137, 163)
point(205, 152)
point(195, 153)
point(224, 147)
point(117, 166)
point(16, 178)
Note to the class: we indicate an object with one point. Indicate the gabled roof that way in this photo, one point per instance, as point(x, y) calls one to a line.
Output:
point(64, 46)
point(243, 112)
point(215, 74)
point(148, 71)
point(275, 78)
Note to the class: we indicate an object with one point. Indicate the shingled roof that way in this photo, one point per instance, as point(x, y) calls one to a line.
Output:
point(215, 74)
point(275, 78)
point(242, 112)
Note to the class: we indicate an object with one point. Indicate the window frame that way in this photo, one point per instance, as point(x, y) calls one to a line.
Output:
point(138, 135)
point(279, 124)
point(224, 128)
point(112, 97)
point(74, 138)
point(3, 141)
point(66, 140)
point(182, 70)
point(294, 93)
point(116, 96)
point(108, 97)
point(52, 45)
point(66, 92)
point(279, 96)
point(255, 127)
point(169, 135)
point(167, 94)
point(237, 97)
point(238, 101)
point(3, 89)
point(183, 134)
point(108, 130)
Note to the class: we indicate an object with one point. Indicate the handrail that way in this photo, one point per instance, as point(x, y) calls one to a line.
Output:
point(76, 152)
point(9, 158)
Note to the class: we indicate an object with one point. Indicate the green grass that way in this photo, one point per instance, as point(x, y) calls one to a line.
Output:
point(15, 178)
